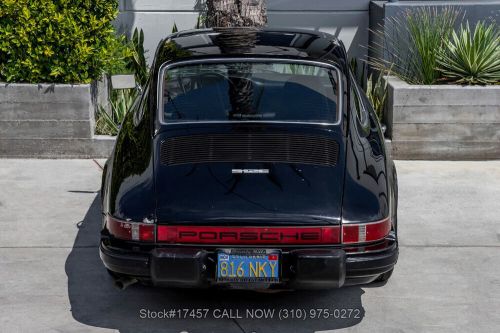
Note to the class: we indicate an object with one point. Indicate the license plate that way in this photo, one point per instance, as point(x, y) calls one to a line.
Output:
point(243, 265)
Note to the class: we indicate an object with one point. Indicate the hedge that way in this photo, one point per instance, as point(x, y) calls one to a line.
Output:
point(60, 41)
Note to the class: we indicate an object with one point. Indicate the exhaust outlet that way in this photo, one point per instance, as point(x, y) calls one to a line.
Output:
point(123, 282)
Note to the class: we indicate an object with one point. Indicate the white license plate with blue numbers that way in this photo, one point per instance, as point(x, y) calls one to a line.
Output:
point(248, 265)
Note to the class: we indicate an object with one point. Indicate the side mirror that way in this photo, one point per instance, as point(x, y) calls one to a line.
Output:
point(123, 81)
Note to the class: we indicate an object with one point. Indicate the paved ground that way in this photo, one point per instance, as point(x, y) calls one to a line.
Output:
point(447, 279)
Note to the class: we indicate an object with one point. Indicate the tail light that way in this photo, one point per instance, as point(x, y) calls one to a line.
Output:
point(131, 230)
point(365, 232)
point(351, 233)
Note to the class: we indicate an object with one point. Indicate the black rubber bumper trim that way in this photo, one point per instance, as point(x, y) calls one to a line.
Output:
point(318, 268)
point(369, 264)
point(180, 267)
point(195, 262)
point(124, 262)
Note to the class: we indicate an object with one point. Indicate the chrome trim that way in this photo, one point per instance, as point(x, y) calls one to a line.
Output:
point(347, 223)
point(167, 65)
point(250, 171)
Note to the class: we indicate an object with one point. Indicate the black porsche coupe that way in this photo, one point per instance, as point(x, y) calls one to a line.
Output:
point(251, 160)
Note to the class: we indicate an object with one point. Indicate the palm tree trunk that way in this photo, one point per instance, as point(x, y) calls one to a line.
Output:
point(236, 13)
point(222, 14)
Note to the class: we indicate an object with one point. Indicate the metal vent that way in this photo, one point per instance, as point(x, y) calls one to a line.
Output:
point(255, 147)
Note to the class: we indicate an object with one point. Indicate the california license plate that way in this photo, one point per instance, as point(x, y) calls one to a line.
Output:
point(244, 265)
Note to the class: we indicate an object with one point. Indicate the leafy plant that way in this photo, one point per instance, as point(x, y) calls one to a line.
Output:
point(374, 86)
point(64, 41)
point(200, 21)
point(138, 63)
point(472, 57)
point(121, 56)
point(359, 72)
point(121, 102)
point(410, 43)
point(376, 91)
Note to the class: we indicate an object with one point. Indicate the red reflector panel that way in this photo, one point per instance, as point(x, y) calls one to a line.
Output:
point(272, 257)
point(131, 230)
point(146, 232)
point(365, 232)
point(350, 233)
point(248, 235)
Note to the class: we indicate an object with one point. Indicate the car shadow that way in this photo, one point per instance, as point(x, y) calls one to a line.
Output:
point(96, 302)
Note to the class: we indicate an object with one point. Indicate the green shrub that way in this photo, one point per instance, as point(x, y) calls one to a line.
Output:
point(61, 41)
point(121, 56)
point(121, 102)
point(132, 60)
point(472, 57)
point(374, 86)
point(137, 62)
point(376, 91)
point(410, 43)
point(429, 29)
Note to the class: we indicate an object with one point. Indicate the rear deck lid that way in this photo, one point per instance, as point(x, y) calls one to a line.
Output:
point(249, 177)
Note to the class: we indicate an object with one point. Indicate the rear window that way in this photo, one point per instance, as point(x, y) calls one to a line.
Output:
point(250, 91)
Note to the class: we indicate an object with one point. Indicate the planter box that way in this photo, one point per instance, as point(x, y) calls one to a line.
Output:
point(447, 122)
point(50, 121)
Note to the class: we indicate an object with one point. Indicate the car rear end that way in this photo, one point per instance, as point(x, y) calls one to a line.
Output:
point(249, 169)
point(250, 257)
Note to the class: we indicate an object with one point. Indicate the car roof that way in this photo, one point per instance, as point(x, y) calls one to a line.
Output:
point(254, 42)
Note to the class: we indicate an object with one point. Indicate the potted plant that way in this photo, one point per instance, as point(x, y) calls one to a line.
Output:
point(444, 95)
point(52, 56)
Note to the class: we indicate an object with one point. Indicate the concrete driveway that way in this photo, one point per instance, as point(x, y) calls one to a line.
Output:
point(447, 278)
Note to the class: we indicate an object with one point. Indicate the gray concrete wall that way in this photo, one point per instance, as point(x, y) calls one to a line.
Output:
point(346, 19)
point(49, 121)
point(473, 11)
point(444, 121)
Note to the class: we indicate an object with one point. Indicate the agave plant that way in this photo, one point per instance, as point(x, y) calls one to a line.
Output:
point(472, 57)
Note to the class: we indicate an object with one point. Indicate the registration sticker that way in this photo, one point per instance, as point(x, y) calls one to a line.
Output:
point(244, 265)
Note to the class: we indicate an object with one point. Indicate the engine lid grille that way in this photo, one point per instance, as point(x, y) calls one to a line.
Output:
point(250, 147)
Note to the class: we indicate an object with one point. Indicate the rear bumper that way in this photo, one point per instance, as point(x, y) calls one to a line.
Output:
point(301, 268)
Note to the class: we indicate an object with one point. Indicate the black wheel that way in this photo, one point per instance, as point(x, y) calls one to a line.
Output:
point(385, 277)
